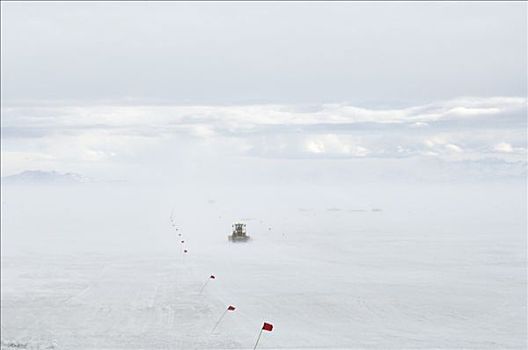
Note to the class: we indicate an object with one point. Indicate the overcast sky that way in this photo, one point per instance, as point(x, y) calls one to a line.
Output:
point(95, 87)
point(376, 53)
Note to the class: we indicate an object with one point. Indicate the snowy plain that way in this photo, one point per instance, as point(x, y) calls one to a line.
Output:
point(97, 266)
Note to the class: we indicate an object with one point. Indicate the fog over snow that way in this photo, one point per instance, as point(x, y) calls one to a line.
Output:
point(377, 153)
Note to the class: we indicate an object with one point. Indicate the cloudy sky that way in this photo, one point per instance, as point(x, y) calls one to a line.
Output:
point(267, 91)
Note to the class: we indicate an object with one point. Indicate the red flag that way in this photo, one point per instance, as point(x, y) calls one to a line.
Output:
point(267, 327)
point(231, 308)
point(212, 277)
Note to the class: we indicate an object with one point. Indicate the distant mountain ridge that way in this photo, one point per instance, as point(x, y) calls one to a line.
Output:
point(44, 177)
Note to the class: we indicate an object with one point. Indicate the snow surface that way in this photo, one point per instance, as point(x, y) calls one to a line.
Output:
point(359, 267)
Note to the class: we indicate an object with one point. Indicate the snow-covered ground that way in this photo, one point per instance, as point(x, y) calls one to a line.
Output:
point(381, 267)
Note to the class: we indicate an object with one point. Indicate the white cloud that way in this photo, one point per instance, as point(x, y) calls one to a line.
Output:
point(105, 135)
point(503, 147)
point(315, 146)
point(469, 111)
point(453, 148)
point(203, 131)
point(333, 145)
point(248, 117)
point(419, 125)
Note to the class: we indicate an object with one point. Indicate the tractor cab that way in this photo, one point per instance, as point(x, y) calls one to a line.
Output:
point(238, 233)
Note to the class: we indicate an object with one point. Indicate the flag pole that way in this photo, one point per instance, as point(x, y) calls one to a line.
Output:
point(218, 322)
point(205, 284)
point(258, 339)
